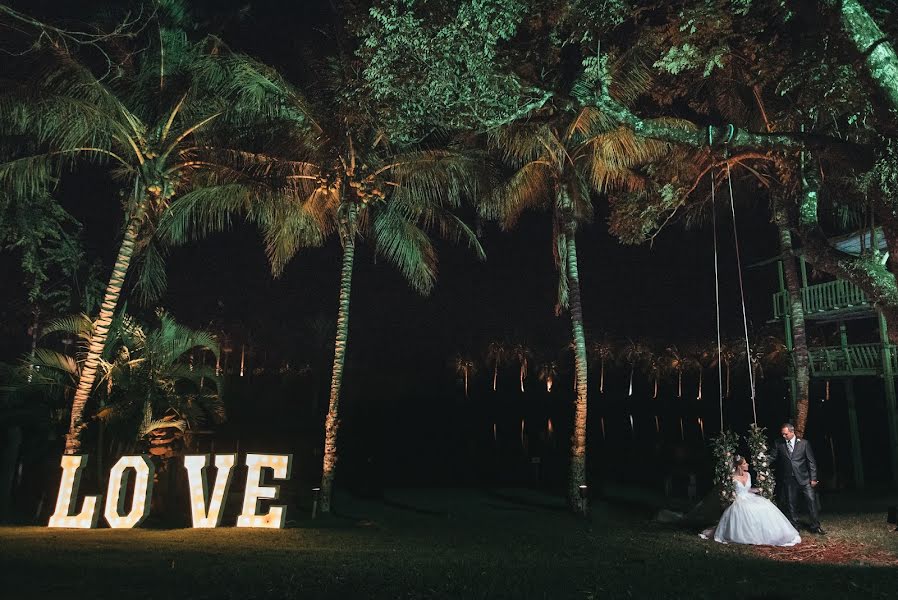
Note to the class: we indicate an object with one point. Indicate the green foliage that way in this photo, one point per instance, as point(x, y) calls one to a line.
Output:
point(724, 449)
point(883, 177)
point(46, 237)
point(757, 444)
point(144, 367)
point(167, 116)
point(442, 70)
point(635, 216)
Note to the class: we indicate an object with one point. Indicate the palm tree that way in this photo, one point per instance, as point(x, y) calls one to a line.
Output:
point(342, 177)
point(801, 357)
point(548, 372)
point(522, 354)
point(601, 352)
point(148, 389)
point(677, 363)
point(164, 125)
point(560, 156)
point(725, 355)
point(768, 351)
point(701, 357)
point(635, 353)
point(653, 367)
point(495, 354)
point(465, 368)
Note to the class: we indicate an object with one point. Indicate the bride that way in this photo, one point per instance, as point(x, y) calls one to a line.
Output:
point(752, 519)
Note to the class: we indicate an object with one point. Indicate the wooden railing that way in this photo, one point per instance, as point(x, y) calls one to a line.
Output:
point(823, 297)
point(855, 359)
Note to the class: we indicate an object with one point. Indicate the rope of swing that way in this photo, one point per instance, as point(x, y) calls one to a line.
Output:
point(751, 376)
point(716, 289)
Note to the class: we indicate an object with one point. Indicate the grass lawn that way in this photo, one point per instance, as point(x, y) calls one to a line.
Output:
point(455, 544)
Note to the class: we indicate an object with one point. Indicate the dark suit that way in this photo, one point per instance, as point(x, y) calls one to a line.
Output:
point(794, 473)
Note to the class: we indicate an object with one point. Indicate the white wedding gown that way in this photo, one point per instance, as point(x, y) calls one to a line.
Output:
point(753, 519)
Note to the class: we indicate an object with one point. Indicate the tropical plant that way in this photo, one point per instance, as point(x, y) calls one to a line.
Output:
point(559, 159)
point(166, 126)
point(495, 354)
point(146, 373)
point(678, 363)
point(548, 373)
point(635, 353)
point(332, 172)
point(465, 368)
point(653, 366)
point(601, 351)
point(522, 355)
point(725, 355)
point(46, 238)
point(701, 357)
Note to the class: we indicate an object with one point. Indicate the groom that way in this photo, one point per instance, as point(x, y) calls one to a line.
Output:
point(796, 472)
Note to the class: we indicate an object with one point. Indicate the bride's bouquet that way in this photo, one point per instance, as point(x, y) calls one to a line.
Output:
point(724, 447)
point(757, 445)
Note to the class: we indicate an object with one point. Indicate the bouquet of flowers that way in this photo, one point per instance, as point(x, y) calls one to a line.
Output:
point(757, 444)
point(724, 447)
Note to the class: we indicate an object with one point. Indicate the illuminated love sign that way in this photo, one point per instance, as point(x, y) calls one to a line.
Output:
point(205, 505)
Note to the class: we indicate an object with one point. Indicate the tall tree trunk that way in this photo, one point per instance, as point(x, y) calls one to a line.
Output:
point(332, 423)
point(578, 438)
point(873, 45)
point(101, 331)
point(801, 358)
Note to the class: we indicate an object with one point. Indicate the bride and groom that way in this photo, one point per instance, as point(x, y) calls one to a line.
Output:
point(751, 518)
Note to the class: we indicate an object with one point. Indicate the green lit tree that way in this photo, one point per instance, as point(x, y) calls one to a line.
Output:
point(165, 126)
point(148, 391)
point(328, 172)
point(46, 239)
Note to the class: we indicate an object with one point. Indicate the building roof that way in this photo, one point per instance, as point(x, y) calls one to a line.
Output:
point(850, 243)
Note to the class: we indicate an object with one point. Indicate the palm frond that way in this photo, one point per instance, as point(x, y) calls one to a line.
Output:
point(406, 247)
point(529, 188)
point(435, 177)
point(78, 325)
point(526, 142)
point(287, 228)
point(50, 359)
point(151, 276)
point(204, 211)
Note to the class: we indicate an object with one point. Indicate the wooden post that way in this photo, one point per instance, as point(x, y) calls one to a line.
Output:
point(856, 460)
point(804, 271)
point(843, 341)
point(790, 345)
point(888, 377)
